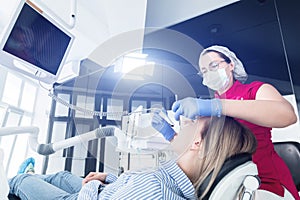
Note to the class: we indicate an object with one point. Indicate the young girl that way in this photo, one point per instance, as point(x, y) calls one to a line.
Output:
point(212, 141)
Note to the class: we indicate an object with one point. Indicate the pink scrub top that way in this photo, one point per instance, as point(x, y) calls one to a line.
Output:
point(272, 170)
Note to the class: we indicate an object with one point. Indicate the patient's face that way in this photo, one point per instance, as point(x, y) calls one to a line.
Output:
point(189, 132)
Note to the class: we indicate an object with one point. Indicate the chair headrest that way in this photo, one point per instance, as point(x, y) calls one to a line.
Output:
point(289, 151)
point(229, 164)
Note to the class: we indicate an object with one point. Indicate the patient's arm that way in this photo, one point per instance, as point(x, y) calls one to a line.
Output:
point(94, 176)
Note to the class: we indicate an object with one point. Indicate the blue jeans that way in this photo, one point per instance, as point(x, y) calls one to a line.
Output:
point(62, 185)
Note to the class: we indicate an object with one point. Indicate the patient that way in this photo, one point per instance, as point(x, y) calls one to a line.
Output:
point(213, 140)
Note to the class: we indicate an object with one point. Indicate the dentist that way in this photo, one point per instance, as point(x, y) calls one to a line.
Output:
point(257, 105)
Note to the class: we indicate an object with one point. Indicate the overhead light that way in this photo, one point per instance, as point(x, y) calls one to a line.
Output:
point(140, 72)
point(129, 62)
point(136, 55)
point(134, 66)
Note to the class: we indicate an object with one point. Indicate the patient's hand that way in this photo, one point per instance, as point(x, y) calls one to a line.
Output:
point(94, 176)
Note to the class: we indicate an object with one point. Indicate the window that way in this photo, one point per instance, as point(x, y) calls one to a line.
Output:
point(28, 97)
point(114, 109)
point(137, 103)
point(16, 109)
point(12, 90)
point(2, 114)
point(87, 104)
point(62, 110)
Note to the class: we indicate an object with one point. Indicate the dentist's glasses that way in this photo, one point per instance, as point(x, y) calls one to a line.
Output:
point(213, 66)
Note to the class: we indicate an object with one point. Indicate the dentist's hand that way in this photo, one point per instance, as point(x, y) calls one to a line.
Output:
point(192, 107)
point(162, 126)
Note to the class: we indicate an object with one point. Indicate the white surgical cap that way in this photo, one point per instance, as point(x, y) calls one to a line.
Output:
point(239, 72)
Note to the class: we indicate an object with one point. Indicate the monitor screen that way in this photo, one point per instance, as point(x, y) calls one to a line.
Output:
point(35, 39)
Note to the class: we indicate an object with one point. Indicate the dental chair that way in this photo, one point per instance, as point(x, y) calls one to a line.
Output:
point(238, 173)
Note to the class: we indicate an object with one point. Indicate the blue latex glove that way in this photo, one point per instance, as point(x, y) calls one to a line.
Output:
point(162, 126)
point(192, 107)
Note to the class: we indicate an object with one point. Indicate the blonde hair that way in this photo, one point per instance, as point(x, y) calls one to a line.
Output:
point(222, 137)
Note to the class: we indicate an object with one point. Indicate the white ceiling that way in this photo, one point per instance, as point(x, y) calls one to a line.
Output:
point(97, 21)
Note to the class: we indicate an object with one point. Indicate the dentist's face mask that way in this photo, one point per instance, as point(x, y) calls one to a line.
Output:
point(216, 80)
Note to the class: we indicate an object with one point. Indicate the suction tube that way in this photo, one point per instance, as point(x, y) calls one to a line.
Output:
point(97, 133)
point(47, 149)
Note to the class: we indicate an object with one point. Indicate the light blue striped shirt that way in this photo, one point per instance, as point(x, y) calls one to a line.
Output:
point(166, 182)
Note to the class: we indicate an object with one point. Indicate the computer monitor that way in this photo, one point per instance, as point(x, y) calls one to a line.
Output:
point(37, 45)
